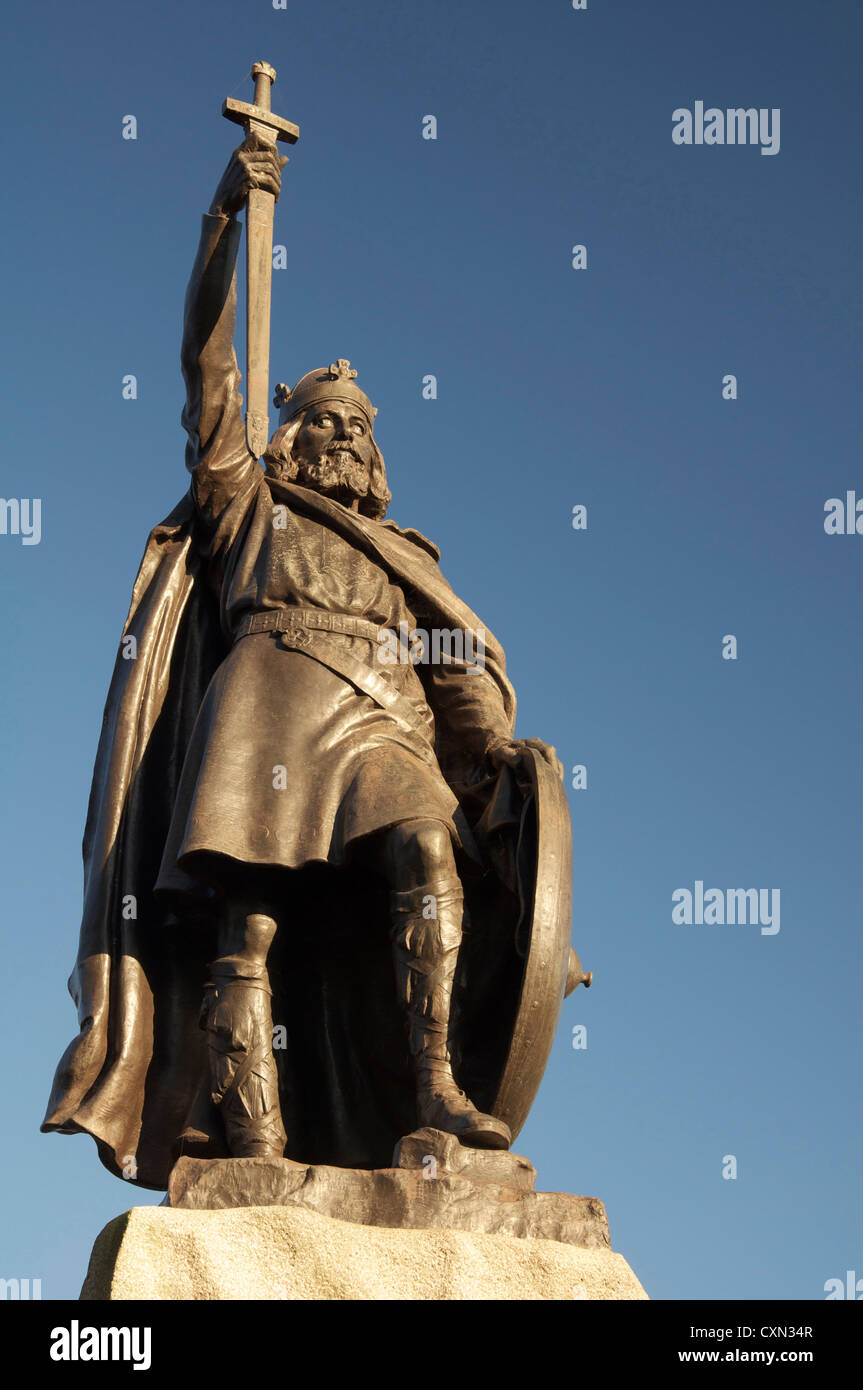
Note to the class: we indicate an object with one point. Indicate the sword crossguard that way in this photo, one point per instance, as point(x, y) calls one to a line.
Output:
point(257, 115)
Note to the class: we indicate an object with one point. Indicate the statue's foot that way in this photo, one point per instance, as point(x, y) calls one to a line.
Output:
point(450, 1110)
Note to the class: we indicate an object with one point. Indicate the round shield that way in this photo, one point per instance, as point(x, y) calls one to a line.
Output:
point(543, 940)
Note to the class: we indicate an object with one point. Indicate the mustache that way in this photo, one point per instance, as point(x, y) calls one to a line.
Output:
point(341, 447)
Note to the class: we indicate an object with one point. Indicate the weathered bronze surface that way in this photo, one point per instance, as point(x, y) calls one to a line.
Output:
point(298, 796)
point(404, 1197)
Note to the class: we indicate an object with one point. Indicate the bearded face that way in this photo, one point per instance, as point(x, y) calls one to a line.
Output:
point(333, 451)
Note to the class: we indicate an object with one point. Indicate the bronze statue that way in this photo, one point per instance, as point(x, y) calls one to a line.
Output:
point(307, 775)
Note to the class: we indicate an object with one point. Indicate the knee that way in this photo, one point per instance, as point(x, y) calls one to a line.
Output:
point(247, 934)
point(418, 850)
point(259, 933)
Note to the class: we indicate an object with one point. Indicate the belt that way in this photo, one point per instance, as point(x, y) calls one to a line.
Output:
point(303, 629)
point(296, 621)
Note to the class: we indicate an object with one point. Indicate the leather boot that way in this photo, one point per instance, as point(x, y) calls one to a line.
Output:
point(426, 936)
point(237, 1016)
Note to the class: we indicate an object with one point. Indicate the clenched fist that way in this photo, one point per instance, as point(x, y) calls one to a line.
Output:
point(254, 164)
point(512, 754)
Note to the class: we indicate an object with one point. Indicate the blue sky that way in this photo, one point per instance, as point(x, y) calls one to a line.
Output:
point(556, 387)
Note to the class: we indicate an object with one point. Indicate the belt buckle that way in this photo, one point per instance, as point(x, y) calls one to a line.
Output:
point(294, 634)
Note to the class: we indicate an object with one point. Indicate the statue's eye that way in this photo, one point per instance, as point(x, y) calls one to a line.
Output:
point(323, 420)
point(358, 429)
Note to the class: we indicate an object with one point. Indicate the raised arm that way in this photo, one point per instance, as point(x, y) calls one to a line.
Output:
point(216, 453)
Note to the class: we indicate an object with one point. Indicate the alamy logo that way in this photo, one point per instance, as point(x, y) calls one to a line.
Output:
point(844, 517)
point(736, 126)
point(21, 517)
point(20, 1288)
point(76, 1343)
point(442, 645)
point(851, 1287)
point(732, 906)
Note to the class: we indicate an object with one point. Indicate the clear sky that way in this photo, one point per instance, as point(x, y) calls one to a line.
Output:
point(556, 387)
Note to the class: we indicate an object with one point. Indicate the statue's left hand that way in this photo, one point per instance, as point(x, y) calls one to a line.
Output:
point(512, 754)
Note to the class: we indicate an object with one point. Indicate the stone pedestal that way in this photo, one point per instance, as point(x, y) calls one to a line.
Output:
point(444, 1222)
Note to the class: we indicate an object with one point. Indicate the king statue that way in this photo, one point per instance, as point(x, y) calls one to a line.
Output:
point(327, 892)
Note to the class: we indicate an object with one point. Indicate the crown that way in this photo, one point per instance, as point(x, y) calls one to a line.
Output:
point(335, 382)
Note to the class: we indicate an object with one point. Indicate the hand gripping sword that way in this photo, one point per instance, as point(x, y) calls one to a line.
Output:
point(259, 119)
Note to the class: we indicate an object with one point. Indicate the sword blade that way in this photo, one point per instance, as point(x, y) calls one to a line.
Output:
point(259, 273)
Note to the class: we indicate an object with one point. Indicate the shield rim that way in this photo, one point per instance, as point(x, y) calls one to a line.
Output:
point(547, 956)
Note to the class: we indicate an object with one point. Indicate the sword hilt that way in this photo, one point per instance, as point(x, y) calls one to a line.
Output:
point(264, 76)
point(257, 115)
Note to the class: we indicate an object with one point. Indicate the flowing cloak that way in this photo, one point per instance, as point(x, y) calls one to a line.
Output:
point(136, 1076)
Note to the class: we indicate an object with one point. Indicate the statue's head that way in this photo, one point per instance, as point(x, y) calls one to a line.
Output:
point(326, 441)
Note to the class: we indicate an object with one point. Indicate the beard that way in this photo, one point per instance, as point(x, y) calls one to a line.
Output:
point(338, 472)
